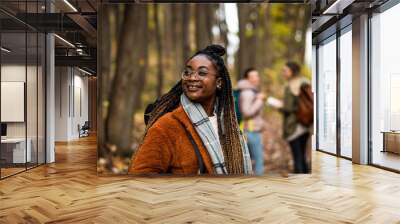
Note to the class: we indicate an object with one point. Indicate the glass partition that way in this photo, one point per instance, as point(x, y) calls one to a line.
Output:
point(14, 152)
point(385, 89)
point(327, 95)
point(22, 88)
point(346, 93)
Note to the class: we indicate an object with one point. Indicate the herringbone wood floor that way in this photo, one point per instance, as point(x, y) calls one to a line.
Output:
point(70, 191)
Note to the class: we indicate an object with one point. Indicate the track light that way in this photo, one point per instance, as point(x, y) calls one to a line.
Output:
point(337, 7)
point(84, 71)
point(65, 41)
point(70, 5)
point(5, 50)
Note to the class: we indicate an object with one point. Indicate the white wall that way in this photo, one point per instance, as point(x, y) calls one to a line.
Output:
point(71, 102)
point(61, 103)
point(14, 73)
point(80, 110)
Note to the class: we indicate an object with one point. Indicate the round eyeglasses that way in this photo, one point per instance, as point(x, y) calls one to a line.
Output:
point(187, 73)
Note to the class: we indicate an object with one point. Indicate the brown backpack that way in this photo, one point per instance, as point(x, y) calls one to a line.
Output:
point(305, 106)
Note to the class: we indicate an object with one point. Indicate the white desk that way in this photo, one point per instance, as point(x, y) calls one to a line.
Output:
point(18, 149)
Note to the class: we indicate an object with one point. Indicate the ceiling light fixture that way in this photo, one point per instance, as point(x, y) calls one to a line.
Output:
point(5, 50)
point(84, 71)
point(65, 41)
point(337, 7)
point(70, 5)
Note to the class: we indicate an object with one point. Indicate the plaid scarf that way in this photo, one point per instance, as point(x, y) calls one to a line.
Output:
point(203, 126)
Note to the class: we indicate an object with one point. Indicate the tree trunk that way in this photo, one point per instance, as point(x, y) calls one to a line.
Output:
point(125, 89)
point(116, 19)
point(223, 28)
point(263, 37)
point(268, 52)
point(105, 39)
point(253, 38)
point(176, 12)
point(292, 21)
point(185, 32)
point(143, 62)
point(119, 17)
point(248, 22)
point(166, 31)
point(159, 52)
point(203, 22)
point(242, 12)
point(306, 24)
point(106, 48)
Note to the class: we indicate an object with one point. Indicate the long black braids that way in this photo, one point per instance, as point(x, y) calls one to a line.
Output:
point(167, 103)
point(228, 128)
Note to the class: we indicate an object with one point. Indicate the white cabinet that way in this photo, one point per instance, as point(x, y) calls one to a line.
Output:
point(17, 147)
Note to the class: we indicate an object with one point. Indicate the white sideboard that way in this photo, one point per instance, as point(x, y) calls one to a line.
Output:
point(18, 149)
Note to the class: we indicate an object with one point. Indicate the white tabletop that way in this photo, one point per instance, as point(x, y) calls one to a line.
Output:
point(13, 140)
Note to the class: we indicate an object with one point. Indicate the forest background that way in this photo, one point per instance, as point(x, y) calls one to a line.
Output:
point(144, 48)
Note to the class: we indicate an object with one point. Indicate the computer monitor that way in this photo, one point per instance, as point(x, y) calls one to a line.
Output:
point(3, 129)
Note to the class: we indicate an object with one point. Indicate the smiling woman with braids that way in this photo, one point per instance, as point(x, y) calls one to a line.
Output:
point(192, 129)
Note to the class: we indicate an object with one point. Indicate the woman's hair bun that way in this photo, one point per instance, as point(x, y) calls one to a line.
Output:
point(216, 49)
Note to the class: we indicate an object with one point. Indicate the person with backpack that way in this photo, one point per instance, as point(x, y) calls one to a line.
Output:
point(297, 110)
point(251, 103)
point(192, 129)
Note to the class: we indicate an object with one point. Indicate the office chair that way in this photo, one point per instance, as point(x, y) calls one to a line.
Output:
point(84, 130)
